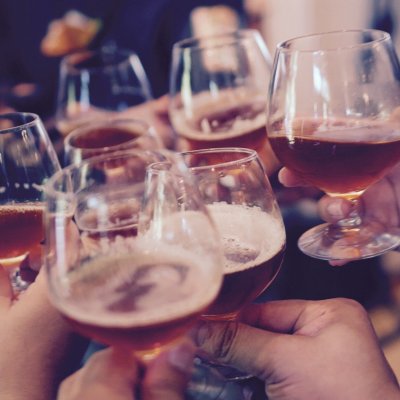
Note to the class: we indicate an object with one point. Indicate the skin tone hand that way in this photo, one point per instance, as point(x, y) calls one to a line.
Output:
point(35, 343)
point(380, 202)
point(110, 374)
point(305, 350)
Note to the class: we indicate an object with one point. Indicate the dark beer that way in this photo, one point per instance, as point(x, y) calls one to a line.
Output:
point(139, 300)
point(254, 244)
point(21, 230)
point(105, 137)
point(100, 137)
point(341, 160)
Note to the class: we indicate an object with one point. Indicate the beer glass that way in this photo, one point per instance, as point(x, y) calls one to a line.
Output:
point(240, 200)
point(27, 161)
point(132, 258)
point(239, 197)
point(97, 84)
point(333, 120)
point(218, 92)
point(107, 136)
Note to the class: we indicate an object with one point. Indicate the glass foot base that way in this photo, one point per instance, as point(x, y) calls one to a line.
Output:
point(331, 242)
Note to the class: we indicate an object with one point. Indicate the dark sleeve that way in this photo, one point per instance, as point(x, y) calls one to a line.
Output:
point(6, 59)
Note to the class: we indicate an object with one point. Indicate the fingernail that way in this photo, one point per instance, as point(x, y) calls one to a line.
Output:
point(334, 209)
point(181, 357)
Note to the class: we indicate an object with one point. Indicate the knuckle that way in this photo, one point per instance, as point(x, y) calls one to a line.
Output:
point(345, 306)
point(225, 340)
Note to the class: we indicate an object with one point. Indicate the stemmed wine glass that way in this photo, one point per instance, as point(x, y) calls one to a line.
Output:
point(333, 104)
point(95, 84)
point(107, 136)
point(132, 257)
point(218, 92)
point(239, 197)
point(27, 161)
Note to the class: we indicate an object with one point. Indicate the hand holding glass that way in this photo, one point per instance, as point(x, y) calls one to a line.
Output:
point(132, 258)
point(333, 120)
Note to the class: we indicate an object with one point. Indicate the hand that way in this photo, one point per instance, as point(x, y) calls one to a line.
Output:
point(113, 375)
point(35, 343)
point(305, 350)
point(155, 113)
point(380, 202)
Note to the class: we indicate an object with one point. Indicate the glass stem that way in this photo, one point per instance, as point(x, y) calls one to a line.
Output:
point(347, 225)
point(353, 220)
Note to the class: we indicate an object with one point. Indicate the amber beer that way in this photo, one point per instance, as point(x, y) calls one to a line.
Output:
point(142, 301)
point(335, 160)
point(252, 260)
point(240, 125)
point(102, 137)
point(21, 230)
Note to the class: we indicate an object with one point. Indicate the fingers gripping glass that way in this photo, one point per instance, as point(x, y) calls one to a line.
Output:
point(333, 106)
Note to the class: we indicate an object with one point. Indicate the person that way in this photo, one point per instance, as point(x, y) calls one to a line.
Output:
point(305, 349)
point(37, 347)
point(301, 349)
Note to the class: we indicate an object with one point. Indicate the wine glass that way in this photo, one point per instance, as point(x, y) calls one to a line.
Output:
point(239, 197)
point(27, 161)
point(109, 135)
point(132, 258)
point(333, 105)
point(218, 92)
point(95, 84)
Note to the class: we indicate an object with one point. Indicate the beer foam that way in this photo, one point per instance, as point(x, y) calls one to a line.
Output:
point(151, 285)
point(250, 235)
point(184, 123)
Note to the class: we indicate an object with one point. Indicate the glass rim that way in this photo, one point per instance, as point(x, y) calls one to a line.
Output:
point(70, 60)
point(109, 122)
point(249, 155)
point(34, 120)
point(283, 46)
point(200, 42)
point(49, 187)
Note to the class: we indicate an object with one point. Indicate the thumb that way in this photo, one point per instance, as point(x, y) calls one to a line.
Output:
point(167, 376)
point(108, 374)
point(248, 349)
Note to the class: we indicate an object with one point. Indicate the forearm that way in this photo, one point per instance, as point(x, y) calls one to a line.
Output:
point(33, 368)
